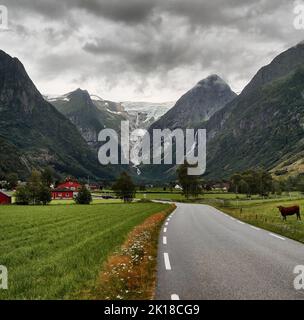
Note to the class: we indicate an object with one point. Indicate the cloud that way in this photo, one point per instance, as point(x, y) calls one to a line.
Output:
point(145, 49)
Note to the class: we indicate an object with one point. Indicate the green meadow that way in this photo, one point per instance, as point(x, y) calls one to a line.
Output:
point(56, 251)
point(256, 210)
point(265, 214)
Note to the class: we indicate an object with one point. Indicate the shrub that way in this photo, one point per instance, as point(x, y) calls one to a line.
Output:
point(84, 196)
point(124, 188)
point(22, 195)
point(44, 196)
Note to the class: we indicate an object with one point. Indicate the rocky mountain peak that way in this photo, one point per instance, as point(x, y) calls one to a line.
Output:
point(33, 133)
point(79, 93)
point(213, 79)
point(16, 88)
point(198, 104)
point(212, 82)
point(81, 98)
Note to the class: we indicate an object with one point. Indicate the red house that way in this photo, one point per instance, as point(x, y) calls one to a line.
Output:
point(62, 194)
point(70, 185)
point(5, 198)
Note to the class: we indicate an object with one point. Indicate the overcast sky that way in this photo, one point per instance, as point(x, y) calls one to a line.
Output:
point(145, 50)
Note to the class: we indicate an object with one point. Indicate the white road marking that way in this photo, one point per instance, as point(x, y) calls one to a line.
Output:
point(232, 219)
point(276, 236)
point(255, 228)
point(241, 222)
point(166, 223)
point(167, 261)
point(164, 240)
point(165, 230)
point(175, 297)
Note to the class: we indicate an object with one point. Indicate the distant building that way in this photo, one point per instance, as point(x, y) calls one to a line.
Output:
point(67, 190)
point(178, 187)
point(223, 186)
point(93, 187)
point(5, 198)
point(63, 194)
point(70, 185)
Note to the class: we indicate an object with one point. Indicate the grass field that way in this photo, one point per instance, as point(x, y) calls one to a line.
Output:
point(95, 201)
point(160, 196)
point(265, 214)
point(259, 211)
point(235, 199)
point(54, 252)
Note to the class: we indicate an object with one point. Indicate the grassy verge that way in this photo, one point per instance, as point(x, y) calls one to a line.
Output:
point(130, 273)
point(267, 216)
point(218, 197)
point(52, 252)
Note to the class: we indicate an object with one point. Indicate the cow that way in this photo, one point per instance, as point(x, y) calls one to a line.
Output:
point(290, 211)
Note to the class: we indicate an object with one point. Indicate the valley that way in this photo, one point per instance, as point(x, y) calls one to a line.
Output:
point(260, 127)
point(151, 150)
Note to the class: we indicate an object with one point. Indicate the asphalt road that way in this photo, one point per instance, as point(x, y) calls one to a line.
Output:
point(207, 255)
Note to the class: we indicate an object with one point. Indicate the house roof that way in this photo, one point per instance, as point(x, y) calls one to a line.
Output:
point(6, 194)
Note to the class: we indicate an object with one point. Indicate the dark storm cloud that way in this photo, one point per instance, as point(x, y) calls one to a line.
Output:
point(128, 10)
point(146, 54)
point(202, 12)
point(132, 41)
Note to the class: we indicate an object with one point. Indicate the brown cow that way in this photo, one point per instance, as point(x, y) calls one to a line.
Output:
point(290, 211)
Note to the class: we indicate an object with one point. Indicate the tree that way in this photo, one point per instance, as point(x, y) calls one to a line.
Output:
point(84, 196)
point(45, 195)
point(47, 176)
point(190, 184)
point(22, 195)
point(142, 187)
point(124, 188)
point(265, 182)
point(12, 180)
point(172, 184)
point(34, 185)
point(276, 188)
point(243, 187)
point(252, 182)
point(235, 182)
point(34, 192)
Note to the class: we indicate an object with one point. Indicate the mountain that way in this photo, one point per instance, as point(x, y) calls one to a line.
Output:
point(264, 125)
point(198, 104)
point(89, 115)
point(33, 134)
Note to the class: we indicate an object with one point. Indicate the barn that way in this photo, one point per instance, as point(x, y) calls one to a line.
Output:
point(5, 198)
point(63, 194)
point(70, 185)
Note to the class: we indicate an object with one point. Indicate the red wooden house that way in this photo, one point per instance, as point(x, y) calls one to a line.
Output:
point(70, 185)
point(5, 198)
point(62, 194)
point(66, 190)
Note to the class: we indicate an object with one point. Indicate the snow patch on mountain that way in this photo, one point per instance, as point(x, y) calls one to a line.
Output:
point(144, 114)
